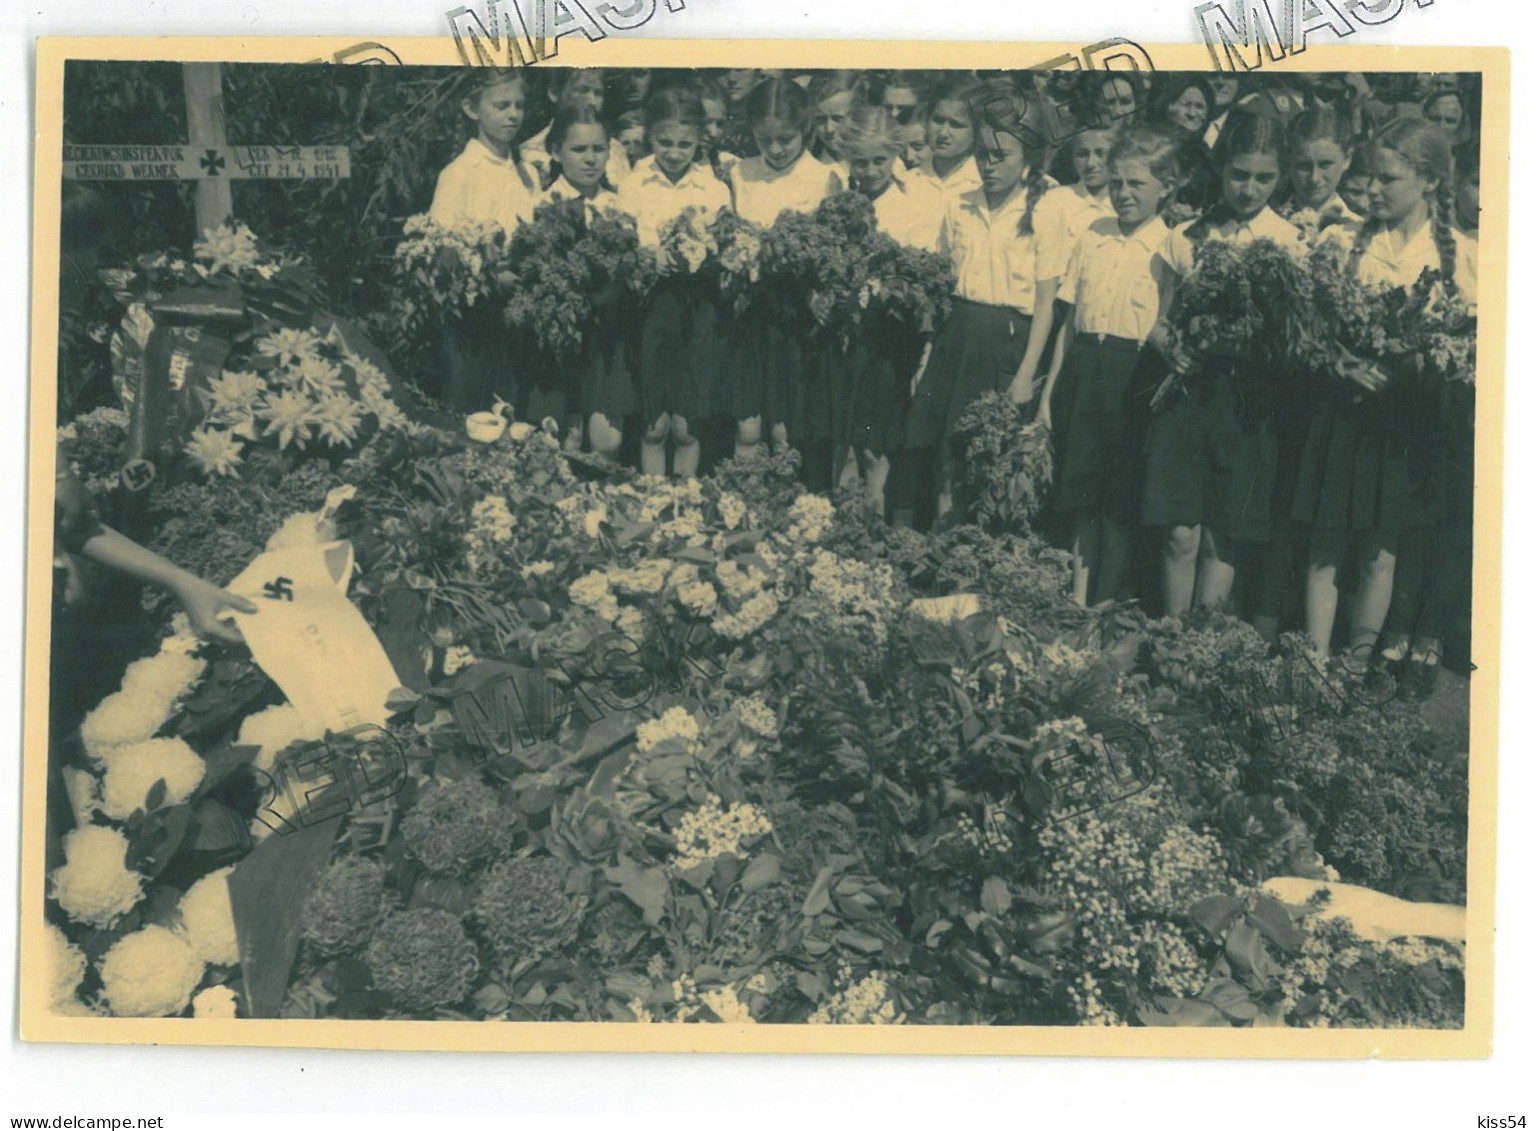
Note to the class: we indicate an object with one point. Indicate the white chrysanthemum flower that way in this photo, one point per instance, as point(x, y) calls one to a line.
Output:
point(210, 919)
point(290, 416)
point(122, 718)
point(150, 973)
point(376, 400)
point(66, 967)
point(314, 376)
point(132, 772)
point(94, 885)
point(289, 346)
point(274, 730)
point(537, 569)
point(167, 675)
point(216, 1003)
point(214, 451)
point(235, 392)
point(228, 247)
point(338, 417)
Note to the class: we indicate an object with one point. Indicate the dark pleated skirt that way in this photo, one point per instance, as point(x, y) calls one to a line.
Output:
point(978, 350)
point(880, 368)
point(1372, 463)
point(681, 352)
point(819, 394)
point(1211, 457)
point(607, 372)
point(478, 354)
point(763, 359)
point(1092, 425)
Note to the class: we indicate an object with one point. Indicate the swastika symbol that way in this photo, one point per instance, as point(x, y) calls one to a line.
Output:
point(137, 474)
point(279, 590)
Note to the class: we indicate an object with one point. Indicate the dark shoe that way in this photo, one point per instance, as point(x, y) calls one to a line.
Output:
point(1422, 679)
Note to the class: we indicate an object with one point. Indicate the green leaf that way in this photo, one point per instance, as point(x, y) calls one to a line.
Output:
point(856, 940)
point(1179, 1012)
point(267, 891)
point(1245, 950)
point(763, 870)
point(1216, 913)
point(646, 888)
point(995, 896)
point(820, 897)
point(1274, 922)
point(1233, 1001)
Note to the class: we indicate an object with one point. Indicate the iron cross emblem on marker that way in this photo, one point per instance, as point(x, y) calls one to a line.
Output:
point(279, 590)
point(212, 162)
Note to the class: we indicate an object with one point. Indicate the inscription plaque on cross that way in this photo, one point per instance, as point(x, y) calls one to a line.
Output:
point(207, 158)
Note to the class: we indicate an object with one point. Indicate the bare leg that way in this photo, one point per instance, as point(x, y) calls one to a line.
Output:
point(653, 447)
point(749, 435)
point(1378, 562)
point(1181, 553)
point(845, 475)
point(685, 450)
point(1322, 595)
point(605, 437)
point(1216, 574)
point(878, 473)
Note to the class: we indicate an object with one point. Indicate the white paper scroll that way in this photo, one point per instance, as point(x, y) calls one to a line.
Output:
point(311, 639)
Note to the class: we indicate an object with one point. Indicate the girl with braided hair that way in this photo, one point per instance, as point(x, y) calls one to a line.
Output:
point(1374, 466)
point(995, 338)
point(1211, 456)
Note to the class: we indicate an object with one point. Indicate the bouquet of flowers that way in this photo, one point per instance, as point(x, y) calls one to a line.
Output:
point(564, 267)
point(241, 341)
point(1008, 461)
point(825, 260)
point(688, 243)
point(1251, 303)
point(297, 388)
point(908, 284)
point(739, 245)
point(1427, 329)
point(441, 271)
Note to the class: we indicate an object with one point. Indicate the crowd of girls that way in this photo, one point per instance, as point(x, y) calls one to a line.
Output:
point(1070, 206)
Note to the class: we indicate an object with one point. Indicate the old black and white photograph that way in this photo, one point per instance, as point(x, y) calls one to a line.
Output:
point(944, 546)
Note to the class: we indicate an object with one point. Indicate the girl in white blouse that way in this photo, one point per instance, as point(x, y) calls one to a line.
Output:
point(1117, 286)
point(1374, 469)
point(680, 350)
point(485, 184)
point(992, 341)
point(765, 365)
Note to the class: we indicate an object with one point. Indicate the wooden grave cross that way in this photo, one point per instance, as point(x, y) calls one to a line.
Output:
point(214, 164)
point(207, 158)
